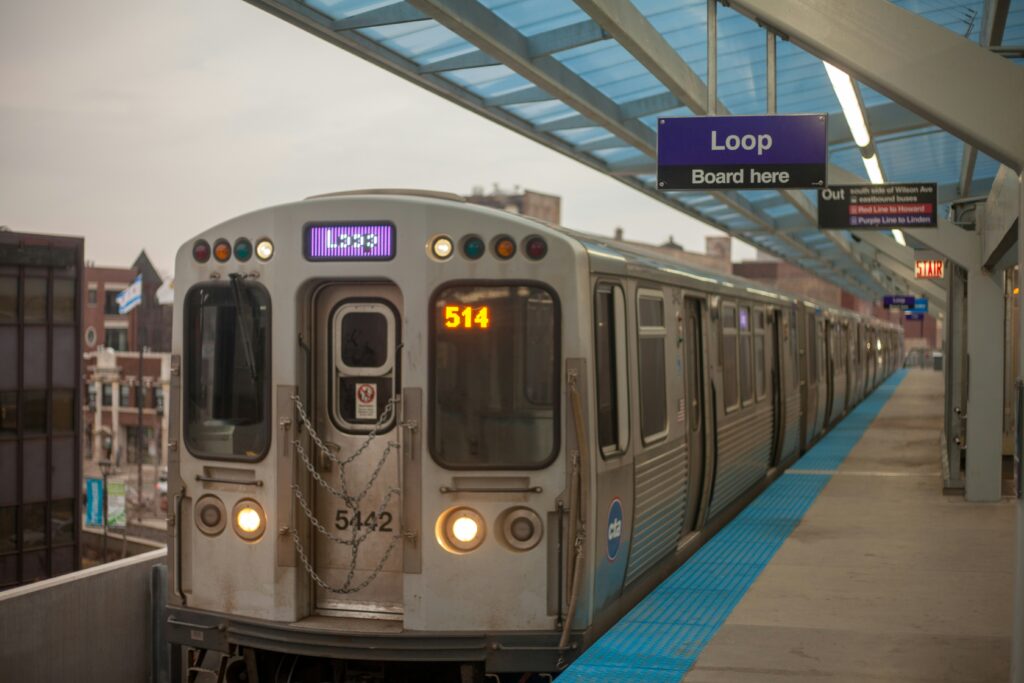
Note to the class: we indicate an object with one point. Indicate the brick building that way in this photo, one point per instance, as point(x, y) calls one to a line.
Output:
point(104, 327)
point(546, 207)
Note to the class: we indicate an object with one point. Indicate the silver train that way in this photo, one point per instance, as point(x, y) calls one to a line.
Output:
point(415, 438)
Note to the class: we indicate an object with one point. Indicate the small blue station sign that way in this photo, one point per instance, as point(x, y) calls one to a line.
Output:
point(743, 152)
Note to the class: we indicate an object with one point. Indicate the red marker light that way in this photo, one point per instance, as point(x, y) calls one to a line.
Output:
point(201, 251)
point(536, 248)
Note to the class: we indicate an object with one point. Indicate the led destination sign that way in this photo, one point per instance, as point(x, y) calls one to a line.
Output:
point(742, 152)
point(350, 242)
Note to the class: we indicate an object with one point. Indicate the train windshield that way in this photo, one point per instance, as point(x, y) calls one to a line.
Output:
point(227, 326)
point(495, 377)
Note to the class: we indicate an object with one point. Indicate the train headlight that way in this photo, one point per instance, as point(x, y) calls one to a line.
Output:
point(264, 249)
point(249, 519)
point(522, 528)
point(211, 517)
point(442, 247)
point(460, 530)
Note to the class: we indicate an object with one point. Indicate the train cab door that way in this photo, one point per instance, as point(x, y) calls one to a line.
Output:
point(356, 486)
point(693, 349)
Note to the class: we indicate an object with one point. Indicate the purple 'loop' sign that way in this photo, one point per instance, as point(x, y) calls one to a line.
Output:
point(350, 242)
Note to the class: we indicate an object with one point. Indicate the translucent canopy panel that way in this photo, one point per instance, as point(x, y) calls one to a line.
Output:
point(553, 72)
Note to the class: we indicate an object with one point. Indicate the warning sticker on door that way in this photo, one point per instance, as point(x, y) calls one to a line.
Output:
point(366, 401)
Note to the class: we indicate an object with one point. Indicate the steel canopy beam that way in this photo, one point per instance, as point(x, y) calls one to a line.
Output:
point(961, 87)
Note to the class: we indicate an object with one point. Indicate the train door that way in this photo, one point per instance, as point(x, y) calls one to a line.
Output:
point(775, 375)
point(830, 370)
point(358, 557)
point(808, 377)
point(693, 350)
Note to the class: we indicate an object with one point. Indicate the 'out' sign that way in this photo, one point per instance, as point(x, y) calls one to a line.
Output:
point(928, 269)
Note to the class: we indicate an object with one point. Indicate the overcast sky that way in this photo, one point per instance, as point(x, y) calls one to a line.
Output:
point(139, 124)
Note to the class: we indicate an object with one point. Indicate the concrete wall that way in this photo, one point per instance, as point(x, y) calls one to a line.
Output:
point(91, 625)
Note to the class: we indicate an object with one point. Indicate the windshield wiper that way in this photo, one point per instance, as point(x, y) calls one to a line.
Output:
point(244, 323)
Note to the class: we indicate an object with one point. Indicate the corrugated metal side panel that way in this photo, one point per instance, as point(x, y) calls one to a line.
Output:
point(661, 484)
point(744, 451)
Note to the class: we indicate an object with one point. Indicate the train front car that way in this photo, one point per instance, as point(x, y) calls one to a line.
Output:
point(368, 464)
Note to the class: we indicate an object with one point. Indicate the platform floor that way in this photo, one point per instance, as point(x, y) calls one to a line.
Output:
point(875, 576)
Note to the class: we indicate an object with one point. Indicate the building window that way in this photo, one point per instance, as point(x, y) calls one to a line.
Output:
point(730, 394)
point(91, 393)
point(110, 306)
point(8, 411)
point(122, 397)
point(34, 417)
point(651, 352)
point(91, 300)
point(116, 338)
point(64, 301)
point(8, 299)
point(108, 397)
point(610, 368)
point(158, 400)
point(63, 410)
point(34, 305)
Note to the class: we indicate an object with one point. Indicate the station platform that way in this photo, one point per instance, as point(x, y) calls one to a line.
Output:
point(852, 566)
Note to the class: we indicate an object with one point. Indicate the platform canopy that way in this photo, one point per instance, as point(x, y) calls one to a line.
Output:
point(591, 78)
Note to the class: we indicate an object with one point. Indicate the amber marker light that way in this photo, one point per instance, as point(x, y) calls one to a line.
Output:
point(221, 250)
point(249, 520)
point(264, 249)
point(460, 530)
point(504, 247)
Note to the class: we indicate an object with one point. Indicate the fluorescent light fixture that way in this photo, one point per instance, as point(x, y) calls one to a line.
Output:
point(897, 235)
point(873, 169)
point(843, 86)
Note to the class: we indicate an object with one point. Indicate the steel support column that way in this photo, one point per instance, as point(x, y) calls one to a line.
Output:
point(985, 379)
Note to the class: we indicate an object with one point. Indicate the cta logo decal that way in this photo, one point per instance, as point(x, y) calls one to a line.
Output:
point(614, 528)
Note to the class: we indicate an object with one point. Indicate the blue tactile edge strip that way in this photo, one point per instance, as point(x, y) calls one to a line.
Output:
point(660, 639)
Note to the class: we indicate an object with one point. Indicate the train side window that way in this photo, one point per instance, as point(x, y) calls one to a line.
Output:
point(730, 392)
point(610, 368)
point(651, 352)
point(760, 386)
point(227, 370)
point(746, 379)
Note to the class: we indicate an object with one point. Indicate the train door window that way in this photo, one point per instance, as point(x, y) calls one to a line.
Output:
point(487, 411)
point(812, 350)
point(651, 352)
point(746, 370)
point(363, 341)
point(227, 370)
point(730, 390)
point(760, 386)
point(610, 368)
point(693, 369)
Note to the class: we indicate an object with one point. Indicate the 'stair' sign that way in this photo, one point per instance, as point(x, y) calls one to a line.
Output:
point(742, 152)
point(929, 269)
